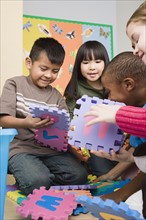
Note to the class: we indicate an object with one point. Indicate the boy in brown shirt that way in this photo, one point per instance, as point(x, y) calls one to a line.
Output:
point(31, 164)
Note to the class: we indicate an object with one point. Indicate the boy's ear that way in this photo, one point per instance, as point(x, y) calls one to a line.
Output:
point(28, 62)
point(129, 84)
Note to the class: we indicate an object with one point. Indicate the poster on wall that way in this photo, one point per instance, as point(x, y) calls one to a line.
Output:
point(71, 34)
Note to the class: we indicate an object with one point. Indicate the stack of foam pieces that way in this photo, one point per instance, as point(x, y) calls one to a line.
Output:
point(59, 202)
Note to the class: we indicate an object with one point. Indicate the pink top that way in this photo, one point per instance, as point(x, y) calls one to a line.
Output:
point(132, 120)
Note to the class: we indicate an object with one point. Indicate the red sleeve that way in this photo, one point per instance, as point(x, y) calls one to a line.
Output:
point(132, 120)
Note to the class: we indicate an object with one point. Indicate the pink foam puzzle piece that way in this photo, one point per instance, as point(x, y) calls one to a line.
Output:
point(53, 138)
point(55, 135)
point(101, 136)
point(48, 205)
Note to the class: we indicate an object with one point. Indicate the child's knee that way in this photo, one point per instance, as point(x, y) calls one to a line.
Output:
point(80, 177)
point(35, 183)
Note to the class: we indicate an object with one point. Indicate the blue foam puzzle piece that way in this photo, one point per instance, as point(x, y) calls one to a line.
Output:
point(80, 209)
point(108, 209)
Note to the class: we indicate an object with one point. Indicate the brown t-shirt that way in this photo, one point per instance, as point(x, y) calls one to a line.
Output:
point(17, 93)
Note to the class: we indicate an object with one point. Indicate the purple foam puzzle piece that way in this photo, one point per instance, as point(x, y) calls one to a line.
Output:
point(61, 117)
point(55, 135)
point(11, 188)
point(101, 136)
point(66, 187)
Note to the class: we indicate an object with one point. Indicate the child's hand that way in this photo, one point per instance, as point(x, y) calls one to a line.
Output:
point(30, 122)
point(102, 113)
point(122, 156)
point(104, 177)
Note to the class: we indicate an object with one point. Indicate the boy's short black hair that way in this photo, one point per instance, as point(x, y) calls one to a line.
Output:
point(53, 49)
point(124, 65)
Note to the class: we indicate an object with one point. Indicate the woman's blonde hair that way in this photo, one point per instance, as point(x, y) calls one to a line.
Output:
point(139, 15)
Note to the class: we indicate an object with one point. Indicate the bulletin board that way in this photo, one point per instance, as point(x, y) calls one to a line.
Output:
point(71, 34)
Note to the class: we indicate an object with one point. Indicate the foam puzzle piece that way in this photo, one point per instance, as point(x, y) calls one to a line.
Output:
point(20, 200)
point(108, 187)
point(67, 187)
point(91, 178)
point(11, 188)
point(76, 192)
point(101, 136)
point(80, 209)
point(55, 135)
point(108, 209)
point(15, 195)
point(48, 205)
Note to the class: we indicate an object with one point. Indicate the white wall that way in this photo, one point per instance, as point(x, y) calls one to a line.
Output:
point(124, 10)
point(11, 40)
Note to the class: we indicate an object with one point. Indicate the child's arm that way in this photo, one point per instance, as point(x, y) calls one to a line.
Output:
point(116, 172)
point(127, 190)
point(7, 121)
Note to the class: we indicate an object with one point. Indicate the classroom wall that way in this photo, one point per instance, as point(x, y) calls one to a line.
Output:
point(84, 11)
point(113, 12)
point(11, 40)
point(124, 10)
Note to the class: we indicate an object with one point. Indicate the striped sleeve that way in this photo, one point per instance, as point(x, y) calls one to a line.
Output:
point(132, 120)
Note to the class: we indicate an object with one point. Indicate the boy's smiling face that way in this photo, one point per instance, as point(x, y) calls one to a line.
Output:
point(42, 72)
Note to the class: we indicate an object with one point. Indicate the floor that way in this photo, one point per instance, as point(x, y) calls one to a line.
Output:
point(10, 209)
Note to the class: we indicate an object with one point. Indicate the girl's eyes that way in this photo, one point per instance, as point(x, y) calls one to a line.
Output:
point(98, 61)
point(135, 38)
point(133, 46)
point(85, 62)
point(88, 61)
